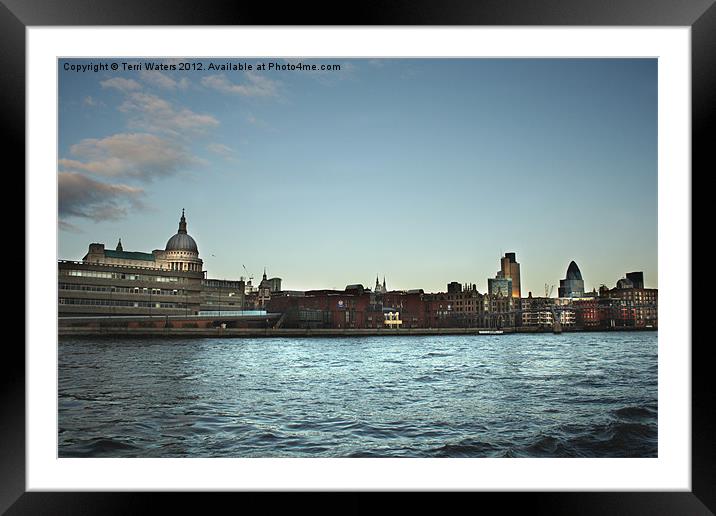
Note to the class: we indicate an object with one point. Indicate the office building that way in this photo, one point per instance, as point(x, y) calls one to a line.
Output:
point(500, 287)
point(509, 268)
point(572, 285)
point(637, 279)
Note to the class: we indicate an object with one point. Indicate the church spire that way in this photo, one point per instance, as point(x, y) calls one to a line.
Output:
point(264, 272)
point(384, 289)
point(119, 245)
point(182, 222)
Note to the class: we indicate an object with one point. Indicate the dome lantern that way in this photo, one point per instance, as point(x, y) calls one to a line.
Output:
point(182, 241)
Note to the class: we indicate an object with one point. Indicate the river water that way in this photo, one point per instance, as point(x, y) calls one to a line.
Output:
point(568, 395)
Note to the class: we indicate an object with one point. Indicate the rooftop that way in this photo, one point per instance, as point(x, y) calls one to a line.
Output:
point(129, 255)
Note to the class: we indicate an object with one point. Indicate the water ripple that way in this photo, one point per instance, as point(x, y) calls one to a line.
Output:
point(569, 395)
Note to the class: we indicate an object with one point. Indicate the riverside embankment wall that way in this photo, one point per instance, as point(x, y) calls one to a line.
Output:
point(291, 332)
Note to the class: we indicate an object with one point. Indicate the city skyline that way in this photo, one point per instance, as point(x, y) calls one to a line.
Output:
point(549, 288)
point(424, 171)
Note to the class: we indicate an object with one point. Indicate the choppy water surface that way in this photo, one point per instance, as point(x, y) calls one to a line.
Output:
point(569, 395)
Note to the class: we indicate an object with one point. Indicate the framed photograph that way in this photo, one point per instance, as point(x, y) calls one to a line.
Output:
point(213, 198)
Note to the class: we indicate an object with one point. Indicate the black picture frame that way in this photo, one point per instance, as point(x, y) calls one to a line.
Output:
point(700, 15)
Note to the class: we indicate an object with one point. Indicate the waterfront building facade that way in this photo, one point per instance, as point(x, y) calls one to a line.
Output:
point(565, 312)
point(219, 295)
point(588, 312)
point(538, 312)
point(470, 308)
point(356, 307)
point(101, 289)
point(631, 307)
point(161, 283)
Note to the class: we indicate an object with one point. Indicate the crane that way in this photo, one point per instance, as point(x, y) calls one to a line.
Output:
point(548, 290)
point(251, 278)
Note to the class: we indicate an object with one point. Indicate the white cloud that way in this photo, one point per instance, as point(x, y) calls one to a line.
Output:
point(158, 148)
point(152, 113)
point(256, 85)
point(138, 155)
point(162, 80)
point(121, 84)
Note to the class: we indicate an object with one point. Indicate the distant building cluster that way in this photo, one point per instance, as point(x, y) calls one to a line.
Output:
point(171, 281)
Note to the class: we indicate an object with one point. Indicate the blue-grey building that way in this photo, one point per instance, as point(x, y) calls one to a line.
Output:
point(500, 286)
point(572, 285)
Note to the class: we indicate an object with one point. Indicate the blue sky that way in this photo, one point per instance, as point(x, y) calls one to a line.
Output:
point(422, 170)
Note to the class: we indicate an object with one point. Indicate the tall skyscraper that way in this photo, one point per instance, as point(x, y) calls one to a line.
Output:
point(511, 269)
point(572, 285)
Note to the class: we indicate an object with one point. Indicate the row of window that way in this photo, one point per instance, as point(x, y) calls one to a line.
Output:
point(120, 275)
point(224, 284)
point(470, 303)
point(125, 290)
point(116, 302)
